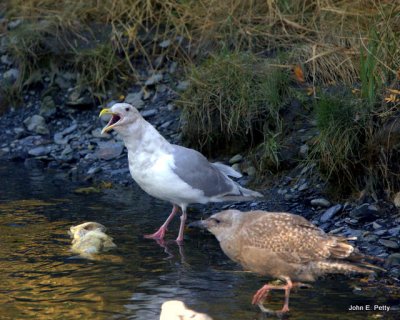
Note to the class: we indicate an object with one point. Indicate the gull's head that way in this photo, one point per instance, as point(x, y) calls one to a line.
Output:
point(222, 224)
point(122, 115)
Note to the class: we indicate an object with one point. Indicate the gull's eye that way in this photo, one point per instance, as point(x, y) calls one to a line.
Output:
point(216, 220)
point(127, 109)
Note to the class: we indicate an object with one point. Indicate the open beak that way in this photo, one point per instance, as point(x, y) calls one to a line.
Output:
point(115, 118)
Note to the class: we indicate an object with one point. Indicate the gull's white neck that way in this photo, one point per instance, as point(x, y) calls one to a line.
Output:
point(141, 136)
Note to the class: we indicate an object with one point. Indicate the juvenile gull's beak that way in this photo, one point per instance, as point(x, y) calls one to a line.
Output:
point(201, 224)
point(113, 121)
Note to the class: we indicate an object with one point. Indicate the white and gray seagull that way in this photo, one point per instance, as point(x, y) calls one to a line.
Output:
point(170, 172)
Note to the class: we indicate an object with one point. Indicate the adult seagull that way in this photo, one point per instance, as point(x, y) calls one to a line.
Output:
point(170, 172)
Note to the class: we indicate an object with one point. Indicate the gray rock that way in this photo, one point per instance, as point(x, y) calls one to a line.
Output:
point(376, 225)
point(166, 124)
point(389, 243)
point(251, 171)
point(70, 129)
point(320, 202)
point(153, 79)
point(36, 124)
point(393, 260)
point(62, 82)
point(370, 238)
point(353, 232)
point(96, 133)
point(79, 98)
point(165, 43)
point(395, 232)
point(48, 107)
point(40, 151)
point(93, 170)
point(11, 75)
point(62, 137)
point(337, 230)
point(5, 59)
point(289, 197)
point(380, 232)
point(365, 212)
point(135, 99)
point(331, 212)
point(303, 186)
point(172, 67)
point(109, 150)
point(236, 159)
point(59, 139)
point(304, 150)
point(14, 24)
point(236, 167)
point(116, 172)
point(161, 88)
point(19, 131)
point(148, 113)
point(67, 151)
point(182, 85)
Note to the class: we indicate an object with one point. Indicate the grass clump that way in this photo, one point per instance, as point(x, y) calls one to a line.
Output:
point(337, 147)
point(232, 100)
point(357, 147)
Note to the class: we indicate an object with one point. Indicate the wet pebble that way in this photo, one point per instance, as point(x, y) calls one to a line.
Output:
point(365, 212)
point(389, 243)
point(148, 113)
point(393, 259)
point(320, 202)
point(395, 232)
point(36, 124)
point(40, 151)
point(135, 99)
point(153, 79)
point(331, 212)
point(109, 150)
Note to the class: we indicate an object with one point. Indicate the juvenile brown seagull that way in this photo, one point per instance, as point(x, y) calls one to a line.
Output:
point(284, 246)
point(170, 172)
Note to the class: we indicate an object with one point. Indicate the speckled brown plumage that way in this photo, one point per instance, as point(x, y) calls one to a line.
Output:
point(284, 246)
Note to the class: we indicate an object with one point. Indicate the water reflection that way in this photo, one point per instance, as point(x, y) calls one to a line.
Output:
point(42, 279)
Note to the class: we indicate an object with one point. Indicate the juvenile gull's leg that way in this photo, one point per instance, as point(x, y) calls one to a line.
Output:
point(160, 233)
point(182, 226)
point(262, 293)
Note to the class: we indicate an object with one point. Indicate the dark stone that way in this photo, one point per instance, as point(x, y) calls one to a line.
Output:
point(389, 243)
point(109, 150)
point(331, 212)
point(365, 213)
point(393, 260)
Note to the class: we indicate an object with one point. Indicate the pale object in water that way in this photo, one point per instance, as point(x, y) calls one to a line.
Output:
point(177, 310)
point(90, 238)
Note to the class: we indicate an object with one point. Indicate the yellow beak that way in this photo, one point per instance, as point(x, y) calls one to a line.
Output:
point(107, 127)
point(105, 111)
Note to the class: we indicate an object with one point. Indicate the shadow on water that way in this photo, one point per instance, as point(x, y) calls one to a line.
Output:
point(41, 278)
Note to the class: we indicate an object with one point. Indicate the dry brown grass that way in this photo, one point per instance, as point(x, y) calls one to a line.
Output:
point(325, 36)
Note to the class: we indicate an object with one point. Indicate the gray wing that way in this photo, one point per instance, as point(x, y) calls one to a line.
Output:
point(193, 168)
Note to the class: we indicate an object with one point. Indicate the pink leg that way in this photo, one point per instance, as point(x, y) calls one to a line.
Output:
point(261, 294)
point(160, 233)
point(182, 226)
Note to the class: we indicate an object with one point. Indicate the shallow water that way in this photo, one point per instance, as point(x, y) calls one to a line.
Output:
point(41, 279)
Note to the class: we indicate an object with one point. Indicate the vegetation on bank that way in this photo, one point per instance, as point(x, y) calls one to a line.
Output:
point(260, 72)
